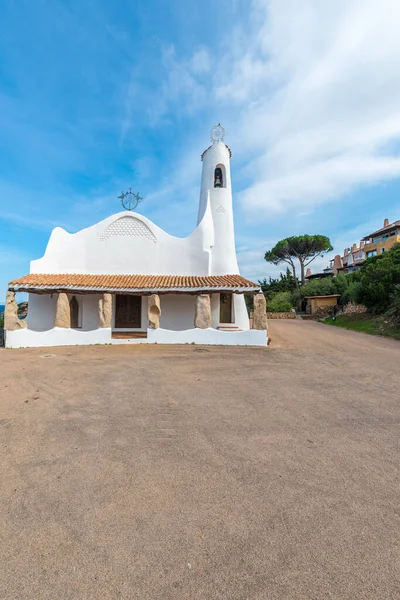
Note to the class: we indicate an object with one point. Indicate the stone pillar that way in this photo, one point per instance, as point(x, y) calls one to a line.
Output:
point(154, 311)
point(63, 313)
point(105, 311)
point(11, 321)
point(202, 318)
point(260, 315)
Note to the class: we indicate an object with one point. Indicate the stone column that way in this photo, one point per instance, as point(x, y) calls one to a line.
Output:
point(260, 315)
point(105, 311)
point(202, 318)
point(154, 311)
point(63, 313)
point(11, 321)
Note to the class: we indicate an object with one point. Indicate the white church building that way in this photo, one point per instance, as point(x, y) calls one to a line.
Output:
point(125, 280)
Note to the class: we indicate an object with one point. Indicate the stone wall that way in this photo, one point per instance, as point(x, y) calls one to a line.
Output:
point(353, 309)
point(323, 311)
point(274, 315)
point(281, 315)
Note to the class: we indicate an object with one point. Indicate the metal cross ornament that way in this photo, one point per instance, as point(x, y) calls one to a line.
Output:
point(217, 133)
point(129, 199)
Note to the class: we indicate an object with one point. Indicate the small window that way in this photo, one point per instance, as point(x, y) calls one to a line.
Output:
point(382, 250)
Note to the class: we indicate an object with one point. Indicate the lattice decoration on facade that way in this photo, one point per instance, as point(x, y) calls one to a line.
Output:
point(128, 226)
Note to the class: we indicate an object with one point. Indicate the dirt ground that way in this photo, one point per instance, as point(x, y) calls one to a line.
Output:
point(200, 473)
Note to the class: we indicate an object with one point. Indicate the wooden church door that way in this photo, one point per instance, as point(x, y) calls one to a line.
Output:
point(225, 308)
point(128, 312)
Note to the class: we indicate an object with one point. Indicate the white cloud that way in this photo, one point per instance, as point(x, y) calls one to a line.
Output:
point(318, 91)
point(309, 93)
point(183, 84)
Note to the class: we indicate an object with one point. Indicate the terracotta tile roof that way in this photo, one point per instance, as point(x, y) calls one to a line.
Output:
point(37, 282)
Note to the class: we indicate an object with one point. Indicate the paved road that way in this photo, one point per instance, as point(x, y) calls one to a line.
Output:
point(174, 473)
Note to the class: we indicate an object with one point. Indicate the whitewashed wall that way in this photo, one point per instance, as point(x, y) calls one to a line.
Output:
point(240, 311)
point(177, 312)
point(88, 305)
point(223, 256)
point(41, 311)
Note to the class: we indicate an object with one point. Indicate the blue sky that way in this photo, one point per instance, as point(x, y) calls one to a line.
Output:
point(98, 96)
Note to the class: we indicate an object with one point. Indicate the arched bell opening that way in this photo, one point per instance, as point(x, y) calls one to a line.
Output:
point(219, 176)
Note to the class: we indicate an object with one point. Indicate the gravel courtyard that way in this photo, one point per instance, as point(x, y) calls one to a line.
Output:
point(202, 473)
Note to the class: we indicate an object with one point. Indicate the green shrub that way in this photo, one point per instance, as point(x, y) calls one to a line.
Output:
point(379, 277)
point(352, 293)
point(393, 311)
point(281, 302)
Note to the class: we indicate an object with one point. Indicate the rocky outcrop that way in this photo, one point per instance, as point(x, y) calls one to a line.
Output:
point(202, 318)
point(11, 321)
point(105, 311)
point(63, 313)
point(260, 315)
point(154, 311)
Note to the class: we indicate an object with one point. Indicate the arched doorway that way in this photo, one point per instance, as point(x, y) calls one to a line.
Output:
point(74, 312)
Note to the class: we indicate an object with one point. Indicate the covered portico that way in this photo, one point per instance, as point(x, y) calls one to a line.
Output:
point(67, 309)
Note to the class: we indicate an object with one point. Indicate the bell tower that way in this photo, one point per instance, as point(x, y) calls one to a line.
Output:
point(217, 190)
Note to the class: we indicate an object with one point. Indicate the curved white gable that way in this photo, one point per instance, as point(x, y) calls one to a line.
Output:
point(128, 243)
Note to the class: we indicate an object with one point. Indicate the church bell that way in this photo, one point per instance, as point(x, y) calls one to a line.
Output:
point(218, 177)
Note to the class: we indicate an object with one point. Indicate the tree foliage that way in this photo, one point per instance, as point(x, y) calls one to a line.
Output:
point(318, 287)
point(304, 248)
point(285, 283)
point(378, 279)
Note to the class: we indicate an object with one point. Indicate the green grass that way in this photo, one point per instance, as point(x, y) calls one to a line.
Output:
point(366, 324)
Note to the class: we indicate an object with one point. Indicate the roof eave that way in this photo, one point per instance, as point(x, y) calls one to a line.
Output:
point(170, 290)
point(380, 232)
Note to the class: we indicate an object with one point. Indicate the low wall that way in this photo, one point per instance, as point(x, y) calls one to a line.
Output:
point(323, 311)
point(281, 315)
point(214, 337)
point(353, 309)
point(58, 336)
